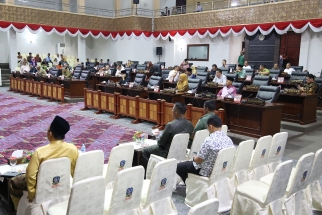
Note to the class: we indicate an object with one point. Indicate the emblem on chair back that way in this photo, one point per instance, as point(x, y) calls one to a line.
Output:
point(263, 153)
point(278, 150)
point(224, 165)
point(163, 183)
point(129, 192)
point(122, 164)
point(56, 181)
point(304, 176)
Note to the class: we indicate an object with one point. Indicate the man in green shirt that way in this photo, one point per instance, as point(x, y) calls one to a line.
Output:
point(41, 71)
point(178, 126)
point(209, 107)
point(240, 71)
point(241, 58)
point(263, 71)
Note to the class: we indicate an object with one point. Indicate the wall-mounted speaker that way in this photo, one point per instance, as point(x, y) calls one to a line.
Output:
point(159, 50)
point(136, 1)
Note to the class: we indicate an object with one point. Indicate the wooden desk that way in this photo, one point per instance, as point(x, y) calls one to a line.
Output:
point(126, 91)
point(166, 84)
point(212, 89)
point(168, 97)
point(252, 120)
point(108, 89)
point(73, 88)
point(299, 108)
point(200, 101)
point(96, 79)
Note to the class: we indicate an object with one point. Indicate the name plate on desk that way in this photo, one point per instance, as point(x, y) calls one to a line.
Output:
point(131, 84)
point(237, 98)
point(170, 81)
point(280, 80)
point(248, 78)
point(101, 75)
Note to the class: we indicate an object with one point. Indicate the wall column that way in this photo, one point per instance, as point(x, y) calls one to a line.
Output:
point(12, 43)
point(81, 49)
point(80, 3)
point(305, 48)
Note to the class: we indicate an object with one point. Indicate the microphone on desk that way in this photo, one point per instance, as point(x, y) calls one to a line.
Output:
point(248, 96)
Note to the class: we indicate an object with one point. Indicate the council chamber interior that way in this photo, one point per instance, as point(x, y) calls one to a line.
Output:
point(149, 87)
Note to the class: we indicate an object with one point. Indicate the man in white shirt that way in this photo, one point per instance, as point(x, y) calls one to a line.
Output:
point(199, 7)
point(246, 66)
point(24, 68)
point(288, 69)
point(58, 58)
point(220, 79)
point(118, 71)
point(174, 74)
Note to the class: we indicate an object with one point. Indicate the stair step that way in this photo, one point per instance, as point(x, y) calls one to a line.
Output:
point(4, 65)
point(5, 71)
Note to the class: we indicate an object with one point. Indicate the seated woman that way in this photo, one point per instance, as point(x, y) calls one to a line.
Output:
point(182, 85)
point(125, 78)
point(101, 72)
point(184, 64)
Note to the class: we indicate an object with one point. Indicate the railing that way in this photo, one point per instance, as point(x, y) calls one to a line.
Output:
point(212, 5)
point(206, 6)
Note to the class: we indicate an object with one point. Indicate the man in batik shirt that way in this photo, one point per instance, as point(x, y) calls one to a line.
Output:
point(203, 163)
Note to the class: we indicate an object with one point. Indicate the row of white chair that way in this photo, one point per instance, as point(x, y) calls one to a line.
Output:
point(288, 190)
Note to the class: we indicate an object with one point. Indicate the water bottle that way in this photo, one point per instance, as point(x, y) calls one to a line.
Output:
point(83, 149)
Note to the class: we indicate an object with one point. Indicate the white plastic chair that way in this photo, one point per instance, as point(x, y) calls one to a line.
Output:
point(209, 207)
point(125, 196)
point(200, 188)
point(89, 164)
point(198, 139)
point(53, 186)
point(242, 159)
point(86, 197)
point(295, 200)
point(314, 190)
point(224, 128)
point(256, 197)
point(258, 165)
point(121, 157)
point(276, 151)
point(157, 192)
point(177, 151)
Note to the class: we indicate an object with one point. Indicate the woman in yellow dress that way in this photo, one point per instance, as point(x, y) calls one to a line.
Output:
point(182, 85)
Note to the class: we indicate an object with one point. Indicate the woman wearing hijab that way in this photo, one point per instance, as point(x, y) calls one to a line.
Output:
point(194, 71)
point(33, 62)
point(182, 85)
point(185, 64)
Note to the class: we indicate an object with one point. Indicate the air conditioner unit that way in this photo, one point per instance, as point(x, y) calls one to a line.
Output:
point(60, 48)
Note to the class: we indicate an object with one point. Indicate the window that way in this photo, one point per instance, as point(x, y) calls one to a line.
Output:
point(198, 52)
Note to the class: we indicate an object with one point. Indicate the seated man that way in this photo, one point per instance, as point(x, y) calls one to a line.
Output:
point(213, 70)
point(288, 69)
point(87, 62)
point(125, 78)
point(65, 72)
point(48, 59)
point(174, 74)
point(41, 71)
point(276, 67)
point(179, 125)
point(208, 109)
point(310, 86)
point(263, 71)
point(25, 67)
point(246, 66)
point(119, 68)
point(203, 163)
point(229, 90)
point(56, 148)
point(240, 71)
point(220, 79)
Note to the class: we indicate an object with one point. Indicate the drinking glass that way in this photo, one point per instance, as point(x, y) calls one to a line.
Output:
point(13, 162)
